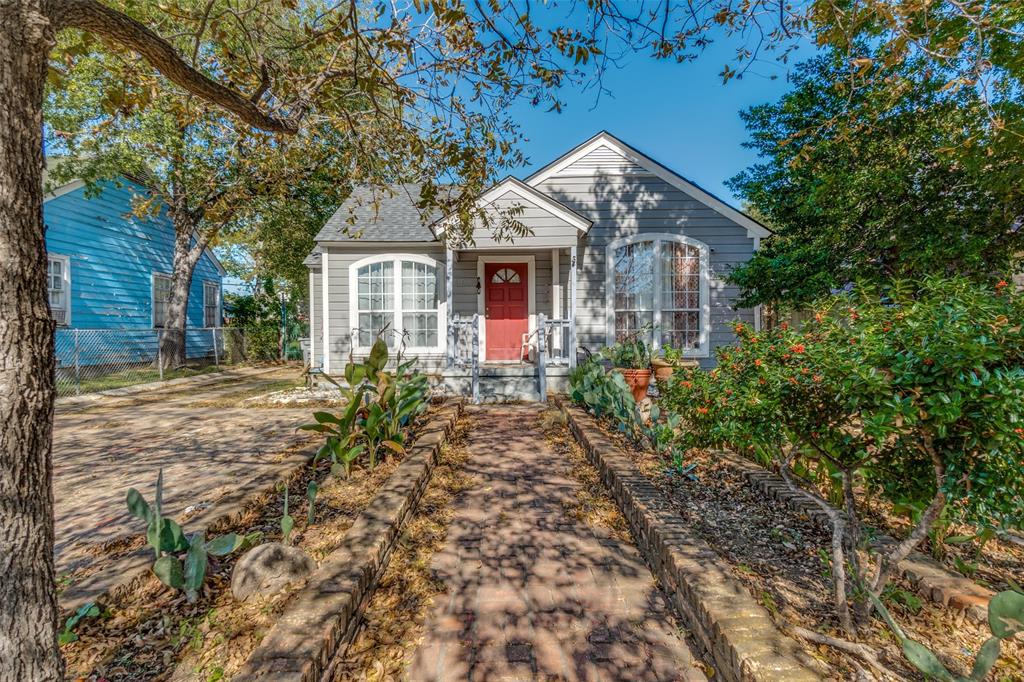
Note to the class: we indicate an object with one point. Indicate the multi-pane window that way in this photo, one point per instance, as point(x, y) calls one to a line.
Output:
point(658, 288)
point(211, 304)
point(419, 304)
point(58, 278)
point(161, 295)
point(400, 297)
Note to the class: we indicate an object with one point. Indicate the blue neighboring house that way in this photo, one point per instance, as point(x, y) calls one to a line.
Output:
point(109, 271)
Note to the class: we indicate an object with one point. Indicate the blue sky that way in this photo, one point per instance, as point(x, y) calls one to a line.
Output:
point(679, 114)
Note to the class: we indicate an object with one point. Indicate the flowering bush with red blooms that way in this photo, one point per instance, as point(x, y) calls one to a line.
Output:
point(915, 393)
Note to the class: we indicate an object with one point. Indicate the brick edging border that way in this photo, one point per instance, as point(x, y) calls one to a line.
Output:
point(133, 568)
point(930, 578)
point(321, 622)
point(737, 632)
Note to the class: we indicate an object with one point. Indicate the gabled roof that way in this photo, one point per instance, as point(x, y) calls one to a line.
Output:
point(528, 193)
point(377, 214)
point(607, 140)
point(314, 257)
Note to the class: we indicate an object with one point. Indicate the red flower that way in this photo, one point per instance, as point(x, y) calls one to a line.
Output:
point(792, 380)
point(702, 410)
point(1001, 284)
point(798, 348)
point(1019, 431)
point(688, 384)
point(929, 362)
point(785, 326)
point(757, 362)
point(817, 378)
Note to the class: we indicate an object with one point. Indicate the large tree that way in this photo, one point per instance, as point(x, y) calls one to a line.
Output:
point(438, 77)
point(858, 191)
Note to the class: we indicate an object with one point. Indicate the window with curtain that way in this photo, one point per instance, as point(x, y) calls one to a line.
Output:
point(401, 295)
point(657, 288)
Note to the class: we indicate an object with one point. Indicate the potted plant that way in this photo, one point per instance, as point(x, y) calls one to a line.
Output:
point(632, 359)
point(670, 360)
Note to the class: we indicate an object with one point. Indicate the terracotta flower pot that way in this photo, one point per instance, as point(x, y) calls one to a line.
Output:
point(662, 369)
point(638, 381)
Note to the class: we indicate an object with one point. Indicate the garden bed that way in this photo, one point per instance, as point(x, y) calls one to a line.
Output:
point(781, 556)
point(152, 632)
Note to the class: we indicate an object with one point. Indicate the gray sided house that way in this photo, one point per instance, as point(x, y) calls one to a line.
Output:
point(618, 243)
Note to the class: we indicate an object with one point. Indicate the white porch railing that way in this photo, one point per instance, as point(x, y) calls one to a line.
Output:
point(464, 347)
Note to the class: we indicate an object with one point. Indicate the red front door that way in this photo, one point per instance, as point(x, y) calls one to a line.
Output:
point(506, 311)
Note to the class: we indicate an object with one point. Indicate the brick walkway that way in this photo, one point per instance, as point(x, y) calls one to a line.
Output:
point(533, 594)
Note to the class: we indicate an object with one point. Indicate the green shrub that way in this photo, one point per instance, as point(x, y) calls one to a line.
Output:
point(380, 406)
point(606, 395)
point(915, 393)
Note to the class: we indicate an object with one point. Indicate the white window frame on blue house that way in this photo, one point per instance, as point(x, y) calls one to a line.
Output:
point(215, 307)
point(65, 289)
point(152, 297)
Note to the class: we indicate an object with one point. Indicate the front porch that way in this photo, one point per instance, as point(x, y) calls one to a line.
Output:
point(511, 329)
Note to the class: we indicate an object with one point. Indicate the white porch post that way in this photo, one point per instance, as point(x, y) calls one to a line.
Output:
point(449, 313)
point(572, 306)
point(556, 300)
point(325, 288)
point(312, 325)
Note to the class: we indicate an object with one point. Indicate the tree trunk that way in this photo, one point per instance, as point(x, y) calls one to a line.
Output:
point(186, 257)
point(28, 603)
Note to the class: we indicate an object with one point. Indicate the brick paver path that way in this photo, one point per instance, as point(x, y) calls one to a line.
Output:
point(531, 593)
point(101, 451)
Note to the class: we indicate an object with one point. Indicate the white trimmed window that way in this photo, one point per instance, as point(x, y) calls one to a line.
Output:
point(399, 295)
point(211, 304)
point(658, 284)
point(58, 282)
point(161, 296)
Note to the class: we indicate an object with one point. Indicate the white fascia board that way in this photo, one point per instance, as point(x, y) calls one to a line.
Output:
point(605, 139)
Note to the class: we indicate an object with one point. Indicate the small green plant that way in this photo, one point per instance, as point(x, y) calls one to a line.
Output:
point(1005, 620)
point(287, 522)
point(311, 491)
point(86, 610)
point(168, 541)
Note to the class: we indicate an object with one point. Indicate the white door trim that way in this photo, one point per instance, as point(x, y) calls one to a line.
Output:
point(531, 292)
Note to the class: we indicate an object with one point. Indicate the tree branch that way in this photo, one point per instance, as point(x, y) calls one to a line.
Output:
point(109, 24)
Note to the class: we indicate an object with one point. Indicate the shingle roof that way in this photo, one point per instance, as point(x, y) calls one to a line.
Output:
point(379, 214)
point(313, 259)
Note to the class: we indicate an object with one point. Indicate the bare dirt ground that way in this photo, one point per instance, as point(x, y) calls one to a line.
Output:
point(202, 437)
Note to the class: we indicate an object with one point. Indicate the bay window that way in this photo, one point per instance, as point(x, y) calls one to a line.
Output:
point(399, 295)
point(657, 287)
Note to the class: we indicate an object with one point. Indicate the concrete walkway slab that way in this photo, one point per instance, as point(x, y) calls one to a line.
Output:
point(532, 593)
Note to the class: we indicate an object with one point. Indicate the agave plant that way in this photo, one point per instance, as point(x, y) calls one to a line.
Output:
point(168, 541)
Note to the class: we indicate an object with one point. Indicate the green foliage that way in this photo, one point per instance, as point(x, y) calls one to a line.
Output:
point(631, 354)
point(86, 610)
point(168, 541)
point(861, 188)
point(380, 406)
point(914, 394)
point(605, 394)
point(1005, 619)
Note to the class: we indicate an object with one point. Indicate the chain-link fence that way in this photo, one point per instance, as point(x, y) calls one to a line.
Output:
point(90, 360)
